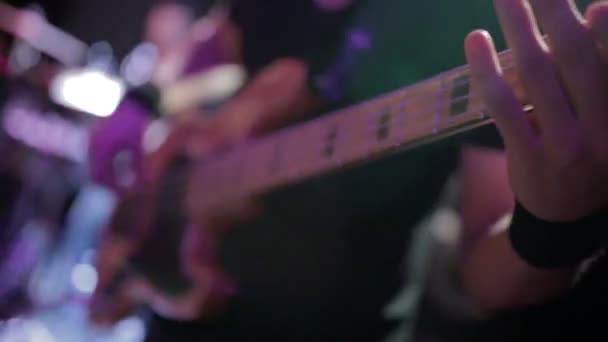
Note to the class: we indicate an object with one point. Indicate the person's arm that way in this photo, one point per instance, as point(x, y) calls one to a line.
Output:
point(275, 97)
point(211, 287)
point(493, 274)
point(111, 300)
point(111, 257)
point(279, 95)
point(207, 298)
point(109, 304)
point(557, 162)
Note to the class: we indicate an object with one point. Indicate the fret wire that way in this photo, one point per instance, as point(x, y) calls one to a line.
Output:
point(277, 159)
point(467, 81)
point(445, 90)
point(416, 96)
point(507, 67)
point(237, 176)
point(441, 91)
point(463, 97)
point(468, 96)
point(427, 95)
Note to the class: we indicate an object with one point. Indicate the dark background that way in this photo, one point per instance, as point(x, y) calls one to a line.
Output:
point(119, 22)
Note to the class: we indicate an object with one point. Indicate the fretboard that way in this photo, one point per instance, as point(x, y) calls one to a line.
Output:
point(405, 118)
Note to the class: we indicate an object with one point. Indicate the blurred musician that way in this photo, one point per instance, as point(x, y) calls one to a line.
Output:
point(143, 179)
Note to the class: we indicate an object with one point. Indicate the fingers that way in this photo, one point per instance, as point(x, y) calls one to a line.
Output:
point(497, 96)
point(597, 19)
point(536, 70)
point(575, 54)
point(204, 138)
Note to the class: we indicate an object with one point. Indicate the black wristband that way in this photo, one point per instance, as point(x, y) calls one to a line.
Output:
point(545, 244)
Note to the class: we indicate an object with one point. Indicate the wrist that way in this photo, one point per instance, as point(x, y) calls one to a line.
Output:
point(547, 244)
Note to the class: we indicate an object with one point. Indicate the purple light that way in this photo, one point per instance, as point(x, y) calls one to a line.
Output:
point(49, 134)
point(360, 39)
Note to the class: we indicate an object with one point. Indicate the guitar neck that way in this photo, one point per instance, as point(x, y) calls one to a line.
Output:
point(426, 111)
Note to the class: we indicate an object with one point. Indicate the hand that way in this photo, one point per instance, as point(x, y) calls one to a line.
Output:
point(273, 98)
point(193, 137)
point(107, 310)
point(137, 288)
point(276, 96)
point(558, 159)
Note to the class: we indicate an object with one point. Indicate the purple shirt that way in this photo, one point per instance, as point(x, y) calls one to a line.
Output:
point(115, 151)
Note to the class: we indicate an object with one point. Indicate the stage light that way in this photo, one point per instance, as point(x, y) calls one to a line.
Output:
point(209, 86)
point(46, 133)
point(25, 330)
point(155, 135)
point(88, 90)
point(23, 57)
point(131, 329)
point(37, 331)
point(84, 278)
point(138, 66)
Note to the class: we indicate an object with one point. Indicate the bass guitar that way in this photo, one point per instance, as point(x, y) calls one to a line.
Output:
point(403, 119)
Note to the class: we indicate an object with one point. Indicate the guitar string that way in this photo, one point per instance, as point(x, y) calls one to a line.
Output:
point(435, 129)
point(442, 89)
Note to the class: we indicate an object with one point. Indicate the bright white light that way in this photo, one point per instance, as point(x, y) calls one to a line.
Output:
point(21, 330)
point(88, 256)
point(129, 330)
point(90, 91)
point(207, 87)
point(23, 58)
point(156, 133)
point(138, 66)
point(38, 332)
point(48, 133)
point(84, 278)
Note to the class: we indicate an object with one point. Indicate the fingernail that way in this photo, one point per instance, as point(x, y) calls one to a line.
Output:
point(477, 40)
point(597, 16)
